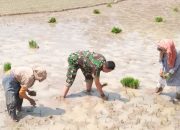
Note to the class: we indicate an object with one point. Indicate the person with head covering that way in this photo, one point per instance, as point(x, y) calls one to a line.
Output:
point(17, 82)
point(170, 60)
point(91, 64)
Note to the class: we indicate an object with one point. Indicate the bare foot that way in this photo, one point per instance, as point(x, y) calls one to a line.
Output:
point(104, 97)
point(88, 92)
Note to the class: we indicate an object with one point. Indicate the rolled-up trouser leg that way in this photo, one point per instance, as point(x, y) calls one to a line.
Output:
point(178, 92)
point(11, 104)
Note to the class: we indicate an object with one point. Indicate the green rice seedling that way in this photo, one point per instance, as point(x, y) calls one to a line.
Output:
point(33, 44)
point(96, 11)
point(116, 30)
point(52, 20)
point(130, 82)
point(159, 19)
point(7, 66)
point(109, 5)
point(176, 9)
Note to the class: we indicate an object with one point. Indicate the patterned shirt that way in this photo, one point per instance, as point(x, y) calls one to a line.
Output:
point(87, 60)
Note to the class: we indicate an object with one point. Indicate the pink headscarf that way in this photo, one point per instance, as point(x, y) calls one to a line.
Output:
point(169, 46)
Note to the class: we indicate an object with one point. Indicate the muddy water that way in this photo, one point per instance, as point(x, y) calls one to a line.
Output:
point(134, 50)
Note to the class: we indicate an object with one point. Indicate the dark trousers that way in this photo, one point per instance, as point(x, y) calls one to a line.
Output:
point(13, 102)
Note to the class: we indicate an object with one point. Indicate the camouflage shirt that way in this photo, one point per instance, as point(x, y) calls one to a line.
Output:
point(87, 60)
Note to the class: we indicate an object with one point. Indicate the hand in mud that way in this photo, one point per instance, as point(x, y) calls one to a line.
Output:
point(104, 84)
point(104, 97)
point(32, 102)
point(60, 98)
point(32, 93)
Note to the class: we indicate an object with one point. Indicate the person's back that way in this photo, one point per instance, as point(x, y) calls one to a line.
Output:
point(90, 60)
point(24, 75)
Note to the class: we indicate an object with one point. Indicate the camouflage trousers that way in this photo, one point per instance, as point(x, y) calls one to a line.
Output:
point(73, 68)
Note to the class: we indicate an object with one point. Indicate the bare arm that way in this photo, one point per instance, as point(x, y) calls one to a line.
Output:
point(22, 94)
point(98, 86)
point(66, 90)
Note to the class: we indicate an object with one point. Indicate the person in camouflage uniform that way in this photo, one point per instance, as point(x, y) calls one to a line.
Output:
point(91, 64)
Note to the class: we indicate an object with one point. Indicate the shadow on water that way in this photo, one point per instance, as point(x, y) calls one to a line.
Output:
point(40, 111)
point(172, 95)
point(112, 96)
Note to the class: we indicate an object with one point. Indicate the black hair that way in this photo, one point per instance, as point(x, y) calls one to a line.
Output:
point(110, 65)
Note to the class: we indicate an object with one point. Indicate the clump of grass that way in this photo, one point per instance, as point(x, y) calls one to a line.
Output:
point(116, 30)
point(96, 11)
point(176, 9)
point(159, 19)
point(52, 20)
point(7, 66)
point(109, 5)
point(33, 44)
point(130, 82)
